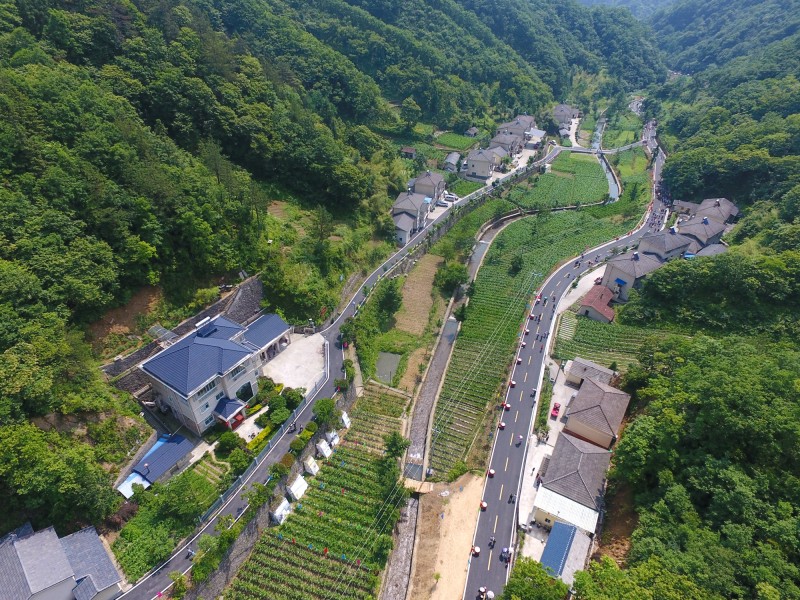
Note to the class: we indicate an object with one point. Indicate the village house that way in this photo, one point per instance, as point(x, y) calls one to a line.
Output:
point(595, 304)
point(627, 271)
point(207, 376)
point(472, 132)
point(430, 185)
point(168, 456)
point(702, 230)
point(509, 142)
point(451, 162)
point(408, 152)
point(481, 163)
point(409, 214)
point(564, 113)
point(596, 413)
point(571, 489)
point(718, 209)
point(579, 369)
point(43, 566)
point(664, 245)
point(520, 126)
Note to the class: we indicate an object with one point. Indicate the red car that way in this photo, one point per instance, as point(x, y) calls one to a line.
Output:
point(556, 409)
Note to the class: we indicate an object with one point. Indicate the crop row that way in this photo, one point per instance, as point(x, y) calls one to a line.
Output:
point(490, 334)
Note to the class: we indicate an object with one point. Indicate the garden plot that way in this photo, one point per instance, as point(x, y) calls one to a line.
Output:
point(575, 178)
point(603, 343)
point(339, 535)
point(489, 335)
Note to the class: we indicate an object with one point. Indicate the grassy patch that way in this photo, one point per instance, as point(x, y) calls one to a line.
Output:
point(463, 187)
point(456, 141)
point(621, 130)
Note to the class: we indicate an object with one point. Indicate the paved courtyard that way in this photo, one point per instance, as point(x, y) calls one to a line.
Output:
point(301, 364)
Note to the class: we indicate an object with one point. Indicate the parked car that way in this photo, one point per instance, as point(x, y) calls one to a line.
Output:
point(555, 411)
point(598, 281)
point(442, 203)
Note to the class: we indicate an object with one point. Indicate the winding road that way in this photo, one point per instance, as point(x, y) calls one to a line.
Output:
point(158, 581)
point(508, 454)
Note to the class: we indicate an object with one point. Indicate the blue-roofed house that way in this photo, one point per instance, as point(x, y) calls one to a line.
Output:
point(566, 551)
point(209, 375)
point(41, 566)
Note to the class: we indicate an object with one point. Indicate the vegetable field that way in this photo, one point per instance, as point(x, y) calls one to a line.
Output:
point(456, 141)
point(339, 534)
point(488, 337)
point(602, 343)
point(622, 129)
point(574, 178)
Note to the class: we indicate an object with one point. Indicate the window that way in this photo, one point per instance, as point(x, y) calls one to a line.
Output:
point(209, 420)
point(206, 388)
point(547, 520)
point(219, 396)
point(205, 407)
point(238, 371)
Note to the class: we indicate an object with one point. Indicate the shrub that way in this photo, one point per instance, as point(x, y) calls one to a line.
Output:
point(287, 460)
point(228, 442)
point(297, 444)
point(457, 471)
point(312, 427)
point(306, 436)
point(279, 416)
point(239, 461)
point(449, 277)
point(325, 411)
point(279, 470)
point(264, 420)
point(293, 396)
point(341, 384)
point(257, 444)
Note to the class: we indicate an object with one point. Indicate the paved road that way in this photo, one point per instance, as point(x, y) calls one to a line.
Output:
point(158, 580)
point(508, 454)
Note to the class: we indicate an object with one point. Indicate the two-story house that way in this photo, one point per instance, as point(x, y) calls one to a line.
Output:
point(409, 213)
point(664, 245)
point(41, 566)
point(430, 184)
point(208, 375)
point(509, 142)
point(521, 125)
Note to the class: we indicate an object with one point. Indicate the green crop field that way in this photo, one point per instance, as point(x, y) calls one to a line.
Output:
point(574, 178)
point(334, 543)
point(603, 343)
point(462, 187)
point(622, 130)
point(492, 329)
point(456, 141)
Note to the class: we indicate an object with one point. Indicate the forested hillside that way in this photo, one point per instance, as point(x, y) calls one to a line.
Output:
point(641, 9)
point(698, 34)
point(710, 455)
point(143, 143)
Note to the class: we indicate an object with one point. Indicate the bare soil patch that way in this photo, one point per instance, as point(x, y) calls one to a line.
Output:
point(444, 538)
point(620, 522)
point(277, 208)
point(122, 319)
point(413, 376)
point(417, 299)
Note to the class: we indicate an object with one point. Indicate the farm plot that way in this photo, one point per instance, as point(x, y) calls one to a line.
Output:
point(339, 534)
point(456, 141)
point(489, 334)
point(574, 178)
point(377, 414)
point(603, 343)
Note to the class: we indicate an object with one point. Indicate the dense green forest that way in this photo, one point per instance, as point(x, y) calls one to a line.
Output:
point(641, 9)
point(698, 34)
point(144, 143)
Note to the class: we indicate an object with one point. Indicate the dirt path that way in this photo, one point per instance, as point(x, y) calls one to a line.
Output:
point(444, 539)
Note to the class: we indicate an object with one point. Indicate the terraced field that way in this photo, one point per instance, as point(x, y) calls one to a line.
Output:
point(574, 178)
point(488, 337)
point(602, 343)
point(336, 539)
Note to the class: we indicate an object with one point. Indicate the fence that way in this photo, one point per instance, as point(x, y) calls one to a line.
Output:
point(236, 485)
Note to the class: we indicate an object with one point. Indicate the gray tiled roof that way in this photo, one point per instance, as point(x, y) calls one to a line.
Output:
point(506, 138)
point(498, 151)
point(719, 209)
point(452, 158)
point(577, 470)
point(409, 201)
point(481, 154)
point(85, 590)
point(663, 242)
point(599, 406)
point(166, 456)
point(12, 576)
point(586, 369)
point(89, 559)
point(713, 250)
point(634, 264)
point(43, 560)
point(525, 121)
point(404, 222)
point(431, 178)
point(702, 229)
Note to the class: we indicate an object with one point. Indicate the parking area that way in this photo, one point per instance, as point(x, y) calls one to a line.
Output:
point(301, 364)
